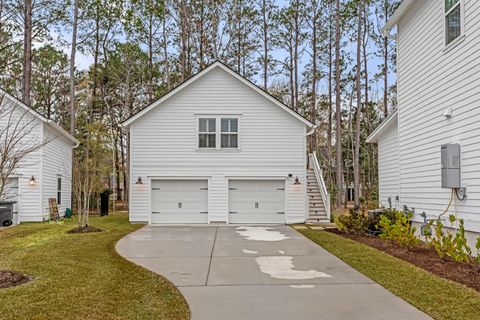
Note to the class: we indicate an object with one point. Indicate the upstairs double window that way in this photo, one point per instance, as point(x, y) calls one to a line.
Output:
point(453, 20)
point(218, 132)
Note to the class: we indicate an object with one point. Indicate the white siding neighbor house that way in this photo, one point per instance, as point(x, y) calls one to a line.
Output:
point(42, 174)
point(218, 149)
point(438, 105)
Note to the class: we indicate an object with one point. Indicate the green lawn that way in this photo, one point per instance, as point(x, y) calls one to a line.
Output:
point(440, 298)
point(80, 276)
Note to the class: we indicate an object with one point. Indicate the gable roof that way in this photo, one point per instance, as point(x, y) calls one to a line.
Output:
point(377, 133)
point(396, 16)
point(49, 122)
point(217, 64)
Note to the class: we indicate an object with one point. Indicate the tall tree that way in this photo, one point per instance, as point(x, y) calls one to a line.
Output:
point(386, 51)
point(356, 161)
point(27, 51)
point(144, 21)
point(338, 105)
point(240, 17)
point(38, 17)
point(50, 80)
point(73, 53)
point(267, 10)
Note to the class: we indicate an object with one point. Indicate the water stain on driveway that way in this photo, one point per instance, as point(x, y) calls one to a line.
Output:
point(283, 268)
point(261, 234)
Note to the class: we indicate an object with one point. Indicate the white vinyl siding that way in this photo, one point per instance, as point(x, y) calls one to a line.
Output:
point(272, 144)
point(29, 197)
point(430, 80)
point(57, 164)
point(45, 165)
point(388, 166)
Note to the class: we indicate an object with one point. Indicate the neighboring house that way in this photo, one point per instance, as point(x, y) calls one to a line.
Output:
point(219, 149)
point(44, 173)
point(438, 58)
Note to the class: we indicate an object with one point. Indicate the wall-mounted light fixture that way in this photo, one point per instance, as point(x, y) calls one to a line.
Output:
point(297, 182)
point(32, 182)
point(139, 180)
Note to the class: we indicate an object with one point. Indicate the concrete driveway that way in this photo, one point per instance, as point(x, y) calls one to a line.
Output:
point(264, 272)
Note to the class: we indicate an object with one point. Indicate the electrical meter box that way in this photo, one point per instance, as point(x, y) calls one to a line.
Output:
point(451, 166)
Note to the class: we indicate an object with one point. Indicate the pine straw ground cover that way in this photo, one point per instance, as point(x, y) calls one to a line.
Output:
point(438, 297)
point(80, 276)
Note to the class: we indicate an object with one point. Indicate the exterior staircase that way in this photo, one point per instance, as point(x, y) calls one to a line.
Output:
point(318, 198)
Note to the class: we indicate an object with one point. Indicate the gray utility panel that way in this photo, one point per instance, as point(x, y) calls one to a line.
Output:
point(451, 166)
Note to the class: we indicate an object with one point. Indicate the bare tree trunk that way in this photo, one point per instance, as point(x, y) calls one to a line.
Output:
point(72, 67)
point(165, 51)
point(27, 53)
point(265, 44)
point(313, 107)
point(356, 160)
point(338, 107)
point(385, 69)
point(150, 58)
point(295, 60)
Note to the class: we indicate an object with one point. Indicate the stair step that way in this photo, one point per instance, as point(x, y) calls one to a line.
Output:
point(316, 215)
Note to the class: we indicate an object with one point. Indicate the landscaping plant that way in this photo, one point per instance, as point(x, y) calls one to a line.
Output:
point(477, 246)
point(399, 229)
point(353, 222)
point(449, 246)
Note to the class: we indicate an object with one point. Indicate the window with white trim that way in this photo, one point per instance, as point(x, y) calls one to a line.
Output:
point(59, 190)
point(229, 137)
point(453, 20)
point(207, 133)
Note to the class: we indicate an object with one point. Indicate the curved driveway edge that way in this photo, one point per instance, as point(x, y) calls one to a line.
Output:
point(265, 272)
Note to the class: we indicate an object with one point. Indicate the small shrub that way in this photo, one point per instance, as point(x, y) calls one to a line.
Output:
point(477, 246)
point(353, 222)
point(398, 229)
point(449, 246)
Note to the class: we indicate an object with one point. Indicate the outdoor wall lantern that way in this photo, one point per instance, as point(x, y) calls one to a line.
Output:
point(297, 182)
point(32, 182)
point(139, 180)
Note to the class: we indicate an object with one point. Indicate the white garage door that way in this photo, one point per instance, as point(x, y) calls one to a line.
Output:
point(179, 201)
point(256, 201)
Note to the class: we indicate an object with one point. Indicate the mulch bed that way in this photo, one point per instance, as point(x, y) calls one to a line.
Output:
point(11, 278)
point(424, 257)
point(85, 229)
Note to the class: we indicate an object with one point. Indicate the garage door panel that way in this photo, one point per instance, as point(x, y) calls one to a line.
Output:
point(180, 201)
point(256, 201)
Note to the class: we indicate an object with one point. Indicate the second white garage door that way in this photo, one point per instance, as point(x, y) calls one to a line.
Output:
point(179, 201)
point(256, 201)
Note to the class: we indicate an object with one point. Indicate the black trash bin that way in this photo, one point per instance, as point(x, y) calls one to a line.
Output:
point(6, 213)
point(104, 201)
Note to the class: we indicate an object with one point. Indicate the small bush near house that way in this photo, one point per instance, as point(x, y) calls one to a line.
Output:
point(353, 222)
point(398, 229)
point(449, 246)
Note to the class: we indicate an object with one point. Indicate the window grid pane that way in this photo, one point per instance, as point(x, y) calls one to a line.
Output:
point(206, 125)
point(206, 140)
point(449, 4)
point(229, 140)
point(229, 125)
